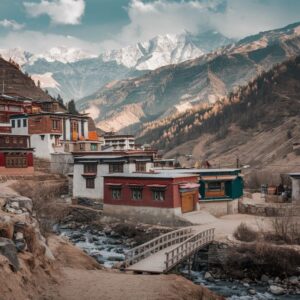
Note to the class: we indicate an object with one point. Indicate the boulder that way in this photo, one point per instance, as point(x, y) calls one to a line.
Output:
point(264, 278)
point(293, 280)
point(276, 290)
point(19, 202)
point(208, 276)
point(8, 249)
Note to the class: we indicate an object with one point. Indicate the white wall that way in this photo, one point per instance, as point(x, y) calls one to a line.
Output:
point(295, 190)
point(79, 184)
point(86, 129)
point(68, 126)
point(43, 148)
point(20, 130)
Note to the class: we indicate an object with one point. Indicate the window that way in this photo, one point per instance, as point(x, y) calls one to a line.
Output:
point(42, 137)
point(116, 193)
point(13, 123)
point(140, 166)
point(215, 186)
point(55, 124)
point(158, 195)
point(136, 193)
point(16, 161)
point(14, 140)
point(116, 168)
point(90, 168)
point(24, 123)
point(19, 123)
point(90, 183)
point(7, 140)
point(81, 146)
point(94, 147)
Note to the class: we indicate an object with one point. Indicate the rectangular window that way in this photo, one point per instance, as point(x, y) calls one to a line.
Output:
point(94, 147)
point(55, 124)
point(214, 186)
point(15, 161)
point(116, 168)
point(140, 166)
point(158, 195)
point(19, 123)
point(90, 183)
point(24, 123)
point(13, 123)
point(136, 193)
point(81, 146)
point(90, 168)
point(116, 193)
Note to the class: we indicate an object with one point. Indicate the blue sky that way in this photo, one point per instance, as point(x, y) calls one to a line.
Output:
point(96, 25)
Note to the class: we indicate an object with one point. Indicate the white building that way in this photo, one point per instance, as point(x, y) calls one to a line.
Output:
point(119, 142)
point(49, 132)
point(90, 169)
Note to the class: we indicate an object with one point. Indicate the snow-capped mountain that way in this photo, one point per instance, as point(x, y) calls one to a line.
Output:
point(160, 51)
point(76, 73)
point(60, 54)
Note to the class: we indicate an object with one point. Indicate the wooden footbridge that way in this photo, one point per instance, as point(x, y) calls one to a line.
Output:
point(163, 253)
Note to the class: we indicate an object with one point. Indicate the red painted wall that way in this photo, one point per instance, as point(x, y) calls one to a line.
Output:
point(30, 159)
point(172, 194)
point(2, 159)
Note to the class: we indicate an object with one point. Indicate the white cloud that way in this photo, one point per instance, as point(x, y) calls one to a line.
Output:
point(37, 42)
point(12, 24)
point(233, 18)
point(59, 11)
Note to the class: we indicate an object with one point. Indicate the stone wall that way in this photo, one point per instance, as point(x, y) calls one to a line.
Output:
point(61, 163)
point(221, 207)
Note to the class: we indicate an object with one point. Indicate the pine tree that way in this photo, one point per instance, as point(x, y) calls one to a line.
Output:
point(72, 108)
point(60, 99)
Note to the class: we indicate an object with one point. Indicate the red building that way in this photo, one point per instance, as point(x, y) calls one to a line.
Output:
point(16, 154)
point(151, 197)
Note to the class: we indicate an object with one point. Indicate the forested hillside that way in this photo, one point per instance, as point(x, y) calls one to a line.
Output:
point(270, 101)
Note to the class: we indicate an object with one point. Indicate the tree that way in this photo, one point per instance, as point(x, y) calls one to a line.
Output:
point(60, 99)
point(39, 84)
point(72, 107)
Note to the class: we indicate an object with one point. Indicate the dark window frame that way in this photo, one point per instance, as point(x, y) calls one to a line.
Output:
point(90, 182)
point(116, 167)
point(90, 168)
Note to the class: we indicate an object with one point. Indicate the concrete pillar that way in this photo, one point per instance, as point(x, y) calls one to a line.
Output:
point(296, 190)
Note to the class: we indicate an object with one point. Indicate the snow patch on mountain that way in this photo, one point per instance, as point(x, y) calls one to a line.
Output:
point(46, 80)
point(160, 51)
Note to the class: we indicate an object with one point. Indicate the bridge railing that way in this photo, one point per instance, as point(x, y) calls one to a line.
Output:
point(187, 247)
point(140, 252)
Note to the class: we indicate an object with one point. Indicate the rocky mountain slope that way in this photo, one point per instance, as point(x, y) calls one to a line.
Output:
point(14, 82)
point(175, 88)
point(258, 124)
point(75, 73)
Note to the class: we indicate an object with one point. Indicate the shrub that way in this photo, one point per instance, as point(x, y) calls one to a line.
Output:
point(245, 233)
point(261, 258)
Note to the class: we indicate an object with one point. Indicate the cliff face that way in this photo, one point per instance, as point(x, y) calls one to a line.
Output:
point(14, 82)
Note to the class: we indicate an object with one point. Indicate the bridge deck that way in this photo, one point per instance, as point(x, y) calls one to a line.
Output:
point(152, 264)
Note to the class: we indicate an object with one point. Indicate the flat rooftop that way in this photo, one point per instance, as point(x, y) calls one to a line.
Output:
point(150, 175)
point(197, 171)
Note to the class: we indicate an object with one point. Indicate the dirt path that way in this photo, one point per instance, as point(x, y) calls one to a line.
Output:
point(109, 285)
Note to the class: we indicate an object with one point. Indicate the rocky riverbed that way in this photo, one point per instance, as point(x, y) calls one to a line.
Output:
point(108, 247)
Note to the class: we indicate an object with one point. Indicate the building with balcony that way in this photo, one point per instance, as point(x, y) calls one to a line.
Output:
point(119, 142)
point(90, 169)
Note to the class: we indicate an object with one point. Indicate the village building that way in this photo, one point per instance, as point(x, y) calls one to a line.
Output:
point(155, 198)
point(295, 187)
point(118, 142)
point(90, 169)
point(51, 132)
point(164, 163)
point(220, 189)
point(16, 153)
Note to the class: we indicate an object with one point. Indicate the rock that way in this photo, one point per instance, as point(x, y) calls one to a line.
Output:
point(276, 290)
point(208, 276)
point(20, 202)
point(8, 249)
point(19, 236)
point(20, 245)
point(293, 280)
point(115, 258)
point(6, 227)
point(277, 280)
point(252, 291)
point(2, 202)
point(246, 285)
point(264, 278)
